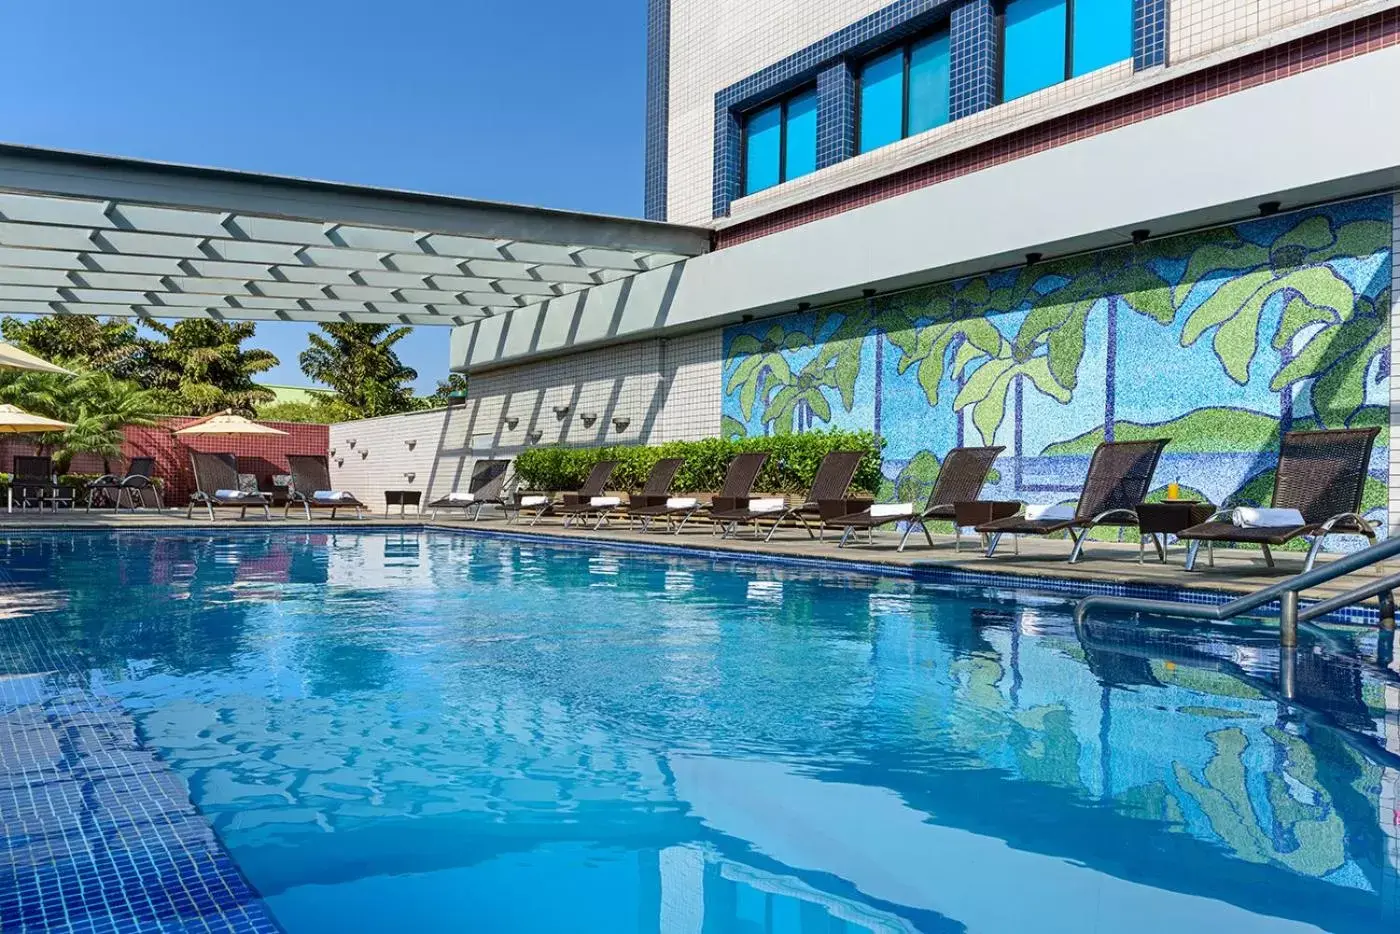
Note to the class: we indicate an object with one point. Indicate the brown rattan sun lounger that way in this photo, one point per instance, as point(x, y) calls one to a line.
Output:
point(960, 480)
point(1120, 474)
point(569, 503)
point(834, 476)
point(1322, 474)
point(654, 492)
point(311, 487)
point(484, 489)
point(216, 486)
point(739, 479)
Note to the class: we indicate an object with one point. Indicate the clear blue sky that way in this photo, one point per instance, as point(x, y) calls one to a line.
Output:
point(533, 101)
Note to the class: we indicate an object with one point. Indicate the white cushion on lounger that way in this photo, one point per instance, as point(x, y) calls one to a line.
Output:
point(533, 500)
point(682, 502)
point(331, 496)
point(890, 510)
point(1247, 517)
point(455, 497)
point(1057, 513)
point(605, 501)
point(228, 494)
point(777, 504)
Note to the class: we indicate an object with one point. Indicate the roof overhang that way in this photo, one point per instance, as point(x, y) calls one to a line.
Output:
point(98, 235)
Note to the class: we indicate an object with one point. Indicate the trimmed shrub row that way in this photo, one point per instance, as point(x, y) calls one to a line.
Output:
point(791, 465)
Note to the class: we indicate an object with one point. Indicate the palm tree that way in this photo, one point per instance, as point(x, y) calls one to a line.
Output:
point(762, 368)
point(202, 366)
point(97, 404)
point(358, 361)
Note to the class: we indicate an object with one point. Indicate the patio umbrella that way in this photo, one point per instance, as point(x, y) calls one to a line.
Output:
point(16, 421)
point(12, 358)
point(227, 423)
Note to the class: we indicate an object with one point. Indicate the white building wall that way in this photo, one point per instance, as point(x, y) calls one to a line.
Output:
point(1200, 27)
point(663, 390)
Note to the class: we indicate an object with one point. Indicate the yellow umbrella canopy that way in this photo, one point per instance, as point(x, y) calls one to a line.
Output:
point(226, 423)
point(12, 358)
point(16, 421)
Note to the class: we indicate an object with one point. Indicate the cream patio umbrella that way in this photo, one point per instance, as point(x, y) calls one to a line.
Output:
point(12, 358)
point(226, 423)
point(16, 421)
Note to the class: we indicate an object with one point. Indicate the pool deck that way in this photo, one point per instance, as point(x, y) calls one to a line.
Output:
point(1114, 563)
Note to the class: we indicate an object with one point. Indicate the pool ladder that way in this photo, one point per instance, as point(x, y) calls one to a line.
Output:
point(1287, 593)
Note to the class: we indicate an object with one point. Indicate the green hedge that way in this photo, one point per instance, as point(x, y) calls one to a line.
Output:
point(789, 469)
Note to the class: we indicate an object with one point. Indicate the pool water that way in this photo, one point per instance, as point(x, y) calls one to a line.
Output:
point(450, 732)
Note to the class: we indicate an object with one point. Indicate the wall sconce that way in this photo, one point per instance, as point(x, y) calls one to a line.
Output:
point(412, 444)
point(534, 436)
point(364, 452)
point(510, 423)
point(351, 442)
point(332, 452)
point(340, 462)
point(561, 410)
point(409, 476)
point(621, 423)
point(588, 418)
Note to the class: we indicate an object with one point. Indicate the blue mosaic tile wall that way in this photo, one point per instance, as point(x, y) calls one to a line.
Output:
point(836, 114)
point(658, 106)
point(973, 65)
point(98, 834)
point(1149, 34)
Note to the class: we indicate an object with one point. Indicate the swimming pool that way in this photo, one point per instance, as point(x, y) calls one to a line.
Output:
point(437, 731)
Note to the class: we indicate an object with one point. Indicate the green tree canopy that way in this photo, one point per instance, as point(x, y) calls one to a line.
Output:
point(442, 394)
point(202, 366)
point(358, 361)
point(97, 405)
point(111, 345)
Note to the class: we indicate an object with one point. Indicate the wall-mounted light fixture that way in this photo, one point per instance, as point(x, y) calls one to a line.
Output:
point(364, 452)
point(332, 452)
point(534, 436)
point(588, 418)
point(803, 306)
point(412, 443)
point(868, 293)
point(510, 423)
point(1033, 258)
point(340, 462)
point(1140, 235)
point(409, 475)
point(621, 423)
point(351, 442)
point(1269, 207)
point(561, 410)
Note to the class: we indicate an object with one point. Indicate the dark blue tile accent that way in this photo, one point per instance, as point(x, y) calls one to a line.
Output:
point(896, 21)
point(1149, 34)
point(658, 105)
point(973, 58)
point(836, 113)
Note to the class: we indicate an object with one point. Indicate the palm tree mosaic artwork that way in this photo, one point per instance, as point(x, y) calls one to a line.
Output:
point(1220, 339)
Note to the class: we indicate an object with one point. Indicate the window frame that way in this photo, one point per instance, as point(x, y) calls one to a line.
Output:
point(906, 47)
point(999, 12)
point(782, 101)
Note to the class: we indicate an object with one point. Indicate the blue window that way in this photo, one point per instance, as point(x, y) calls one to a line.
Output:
point(1045, 42)
point(904, 91)
point(780, 141)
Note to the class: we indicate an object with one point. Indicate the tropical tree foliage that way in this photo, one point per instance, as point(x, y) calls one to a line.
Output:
point(358, 361)
point(96, 404)
point(202, 366)
point(762, 369)
point(442, 393)
point(111, 345)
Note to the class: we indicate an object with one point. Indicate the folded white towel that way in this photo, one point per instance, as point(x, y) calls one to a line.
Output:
point(228, 494)
point(605, 501)
point(456, 497)
point(533, 500)
point(1247, 517)
point(776, 504)
point(1057, 513)
point(889, 510)
point(331, 496)
point(682, 502)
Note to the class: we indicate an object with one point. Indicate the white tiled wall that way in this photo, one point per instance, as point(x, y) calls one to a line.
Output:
point(664, 390)
point(1199, 27)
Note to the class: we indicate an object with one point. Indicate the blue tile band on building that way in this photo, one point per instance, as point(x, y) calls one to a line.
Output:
point(836, 114)
point(973, 70)
point(99, 834)
point(658, 106)
point(1149, 34)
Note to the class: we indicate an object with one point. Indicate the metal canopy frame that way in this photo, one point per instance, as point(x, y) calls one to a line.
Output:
point(98, 235)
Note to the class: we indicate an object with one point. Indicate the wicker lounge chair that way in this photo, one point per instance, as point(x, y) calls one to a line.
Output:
point(1322, 474)
point(33, 484)
point(1120, 474)
point(834, 476)
point(568, 504)
point(311, 488)
point(960, 480)
point(739, 479)
point(129, 487)
point(484, 489)
point(216, 486)
point(655, 492)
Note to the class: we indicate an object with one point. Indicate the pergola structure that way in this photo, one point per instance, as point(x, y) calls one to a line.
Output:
point(97, 235)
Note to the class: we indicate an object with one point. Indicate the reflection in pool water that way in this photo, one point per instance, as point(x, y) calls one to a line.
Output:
point(444, 732)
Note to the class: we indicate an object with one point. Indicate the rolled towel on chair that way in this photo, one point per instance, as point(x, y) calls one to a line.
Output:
point(1247, 517)
point(891, 510)
point(455, 497)
point(331, 496)
point(776, 504)
point(228, 494)
point(601, 501)
point(528, 501)
point(1060, 512)
point(682, 502)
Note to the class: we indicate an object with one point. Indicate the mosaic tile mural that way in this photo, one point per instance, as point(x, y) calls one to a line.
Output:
point(1219, 340)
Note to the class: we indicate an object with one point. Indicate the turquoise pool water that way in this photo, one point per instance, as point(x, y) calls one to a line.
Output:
point(437, 732)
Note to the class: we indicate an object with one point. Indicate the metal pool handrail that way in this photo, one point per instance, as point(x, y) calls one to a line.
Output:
point(1285, 591)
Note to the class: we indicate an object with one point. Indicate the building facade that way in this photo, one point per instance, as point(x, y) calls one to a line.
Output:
point(1032, 223)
